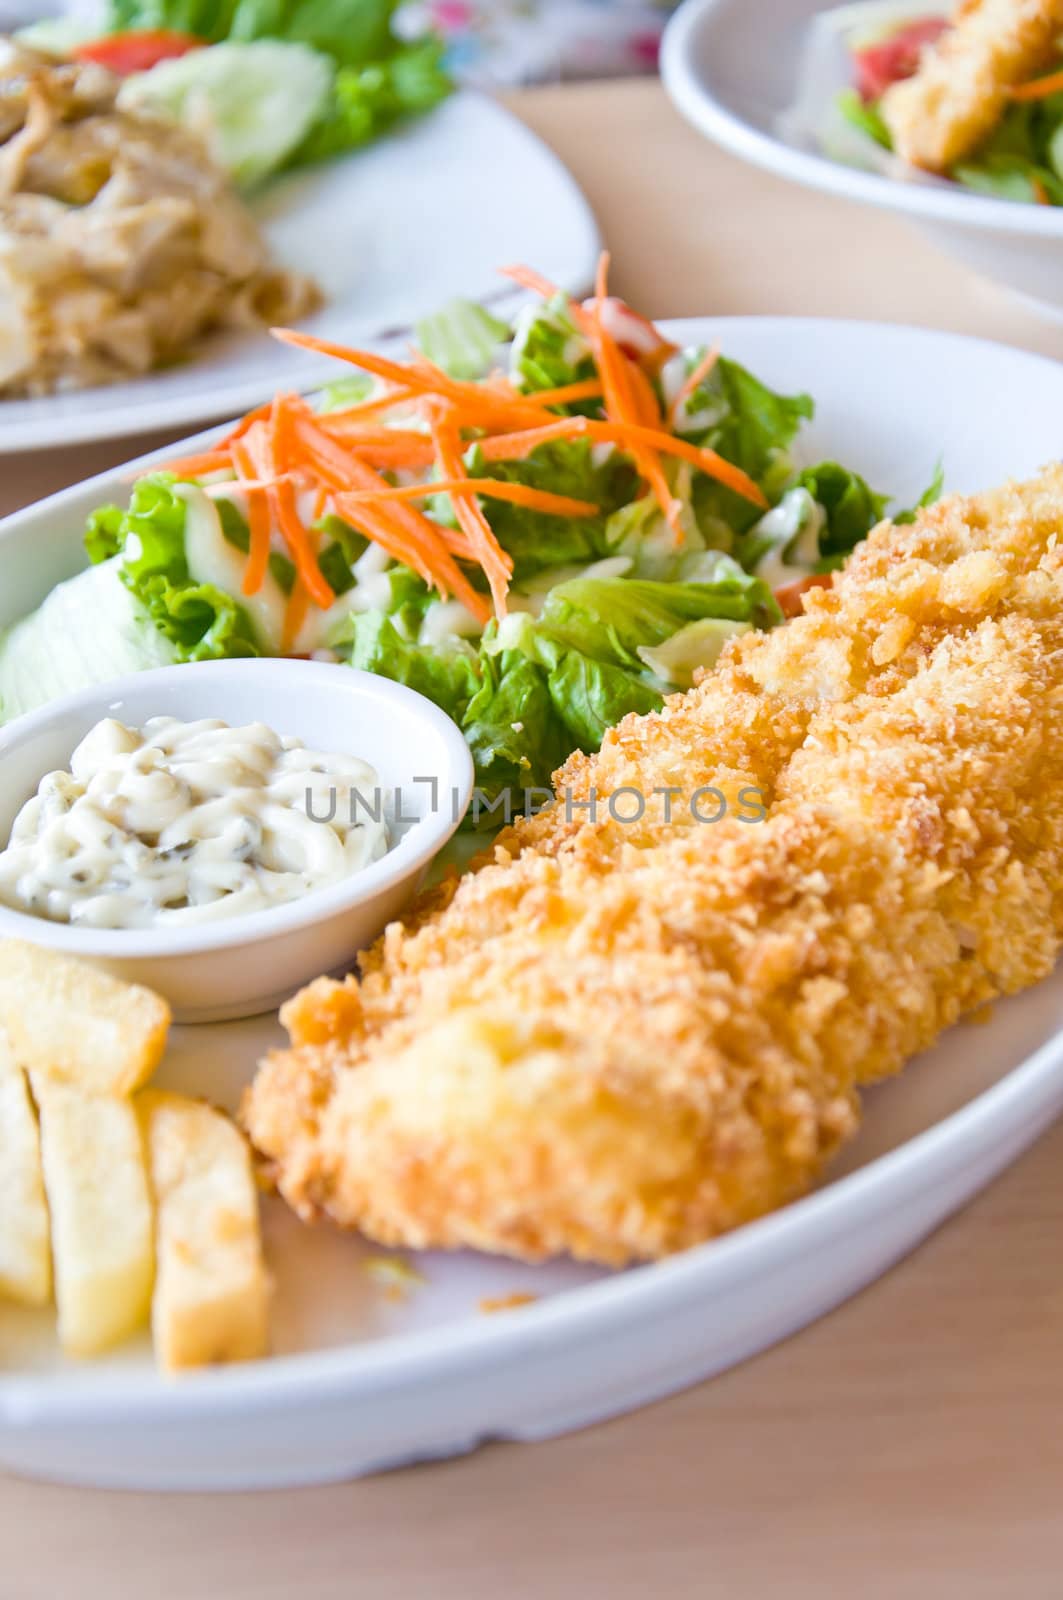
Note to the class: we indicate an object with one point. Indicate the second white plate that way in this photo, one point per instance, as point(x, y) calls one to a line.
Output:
point(390, 233)
point(737, 70)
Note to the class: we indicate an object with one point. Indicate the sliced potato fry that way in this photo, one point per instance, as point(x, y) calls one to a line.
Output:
point(100, 1201)
point(70, 1021)
point(25, 1246)
point(211, 1300)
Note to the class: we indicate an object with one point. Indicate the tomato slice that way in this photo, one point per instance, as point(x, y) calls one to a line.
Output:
point(789, 595)
point(895, 58)
point(126, 53)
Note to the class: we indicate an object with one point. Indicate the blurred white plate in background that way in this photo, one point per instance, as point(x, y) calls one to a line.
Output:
point(739, 70)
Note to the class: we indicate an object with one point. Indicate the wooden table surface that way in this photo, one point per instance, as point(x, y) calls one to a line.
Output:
point(908, 1443)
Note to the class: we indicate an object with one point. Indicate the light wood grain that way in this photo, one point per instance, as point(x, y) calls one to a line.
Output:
point(907, 1444)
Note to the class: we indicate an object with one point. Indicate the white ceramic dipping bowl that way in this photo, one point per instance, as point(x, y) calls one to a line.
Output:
point(249, 964)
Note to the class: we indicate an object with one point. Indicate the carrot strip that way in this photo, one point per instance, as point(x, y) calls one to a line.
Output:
point(622, 406)
point(645, 399)
point(520, 494)
point(259, 414)
point(474, 398)
point(361, 437)
point(295, 614)
point(197, 466)
point(371, 408)
point(496, 563)
point(258, 519)
point(585, 389)
point(406, 534)
point(299, 542)
point(692, 381)
point(713, 465)
point(528, 279)
point(515, 446)
point(1038, 88)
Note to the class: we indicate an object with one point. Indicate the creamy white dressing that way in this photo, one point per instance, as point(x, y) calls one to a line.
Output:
point(794, 527)
point(182, 823)
point(674, 375)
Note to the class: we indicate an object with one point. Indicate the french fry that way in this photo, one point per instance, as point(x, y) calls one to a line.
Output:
point(74, 1023)
point(211, 1300)
point(100, 1202)
point(25, 1248)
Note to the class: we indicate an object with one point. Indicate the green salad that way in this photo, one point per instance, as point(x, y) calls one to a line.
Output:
point(611, 511)
point(267, 84)
point(1022, 158)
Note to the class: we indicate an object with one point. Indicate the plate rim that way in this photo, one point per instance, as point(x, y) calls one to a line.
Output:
point(95, 1397)
point(138, 418)
point(692, 27)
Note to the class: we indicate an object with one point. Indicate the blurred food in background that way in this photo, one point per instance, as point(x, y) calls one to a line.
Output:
point(120, 241)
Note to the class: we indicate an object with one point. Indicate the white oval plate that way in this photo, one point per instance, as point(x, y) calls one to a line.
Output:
point(361, 1381)
point(390, 233)
point(743, 94)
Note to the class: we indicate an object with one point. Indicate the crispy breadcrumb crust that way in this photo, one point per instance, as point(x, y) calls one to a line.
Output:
point(960, 92)
point(618, 1040)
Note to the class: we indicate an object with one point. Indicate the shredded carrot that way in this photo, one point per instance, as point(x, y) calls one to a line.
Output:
point(295, 614)
point(586, 389)
point(259, 414)
point(285, 449)
point(515, 446)
point(519, 494)
point(625, 405)
point(713, 465)
point(198, 466)
point(473, 397)
point(531, 280)
point(258, 520)
point(1038, 88)
point(646, 402)
point(496, 563)
point(300, 544)
point(692, 381)
point(390, 400)
point(405, 533)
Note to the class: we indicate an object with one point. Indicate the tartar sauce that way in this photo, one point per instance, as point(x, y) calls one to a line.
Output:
point(188, 822)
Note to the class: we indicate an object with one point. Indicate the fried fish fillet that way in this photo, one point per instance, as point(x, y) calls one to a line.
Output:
point(961, 89)
point(617, 1039)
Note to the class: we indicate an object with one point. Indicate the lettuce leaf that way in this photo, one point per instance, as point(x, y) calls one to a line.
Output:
point(353, 32)
point(852, 507)
point(200, 621)
point(930, 495)
point(379, 78)
point(537, 540)
point(612, 619)
point(368, 100)
point(747, 423)
point(548, 349)
point(88, 630)
point(462, 338)
point(449, 678)
point(516, 738)
point(865, 116)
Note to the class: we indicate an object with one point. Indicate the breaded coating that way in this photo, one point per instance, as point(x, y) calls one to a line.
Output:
point(960, 92)
point(617, 1039)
